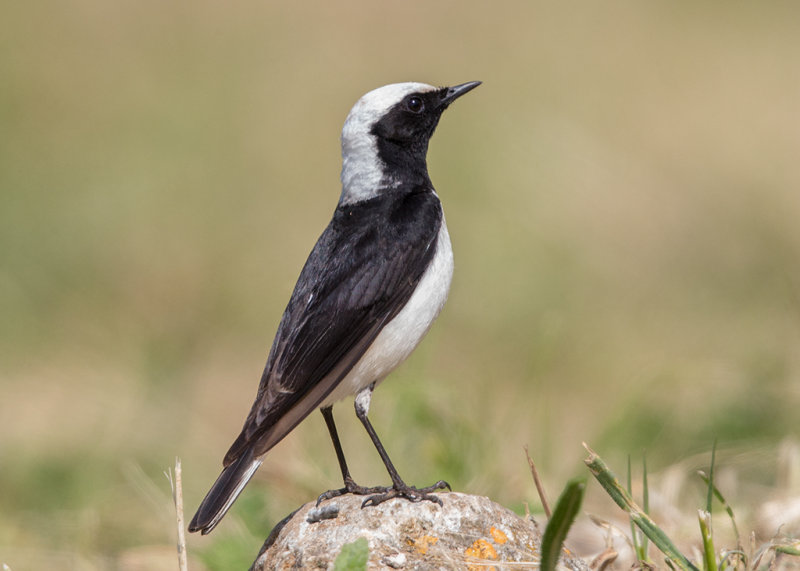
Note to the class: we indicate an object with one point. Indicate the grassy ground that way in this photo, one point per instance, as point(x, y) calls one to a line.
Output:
point(622, 195)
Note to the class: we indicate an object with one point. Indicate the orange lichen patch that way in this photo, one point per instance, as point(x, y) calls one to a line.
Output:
point(481, 549)
point(422, 543)
point(498, 536)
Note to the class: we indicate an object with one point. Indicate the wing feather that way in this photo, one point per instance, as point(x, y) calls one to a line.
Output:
point(360, 274)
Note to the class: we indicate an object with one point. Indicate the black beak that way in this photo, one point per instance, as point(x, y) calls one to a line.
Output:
point(453, 93)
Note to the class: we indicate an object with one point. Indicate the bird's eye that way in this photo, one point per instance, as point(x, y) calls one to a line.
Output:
point(415, 104)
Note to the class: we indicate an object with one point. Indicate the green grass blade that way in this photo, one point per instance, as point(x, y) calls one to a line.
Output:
point(721, 499)
point(630, 489)
point(788, 549)
point(711, 477)
point(735, 559)
point(635, 535)
point(709, 554)
point(645, 492)
point(563, 516)
point(646, 502)
point(611, 484)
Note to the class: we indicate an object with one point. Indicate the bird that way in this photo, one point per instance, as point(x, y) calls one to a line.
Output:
point(372, 286)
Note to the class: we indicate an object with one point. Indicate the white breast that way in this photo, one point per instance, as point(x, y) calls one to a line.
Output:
point(403, 333)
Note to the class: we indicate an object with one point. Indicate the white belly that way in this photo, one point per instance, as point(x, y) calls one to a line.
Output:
point(402, 334)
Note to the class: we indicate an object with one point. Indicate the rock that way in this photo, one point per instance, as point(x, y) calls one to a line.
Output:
point(467, 532)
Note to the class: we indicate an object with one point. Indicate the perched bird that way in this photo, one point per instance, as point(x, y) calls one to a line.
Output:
point(369, 291)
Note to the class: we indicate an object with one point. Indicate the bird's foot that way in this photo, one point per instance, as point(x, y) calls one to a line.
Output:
point(350, 487)
point(412, 494)
point(379, 494)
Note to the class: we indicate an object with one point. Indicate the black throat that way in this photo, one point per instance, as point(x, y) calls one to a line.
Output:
point(403, 164)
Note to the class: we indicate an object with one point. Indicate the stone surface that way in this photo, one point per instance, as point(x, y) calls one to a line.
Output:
point(467, 532)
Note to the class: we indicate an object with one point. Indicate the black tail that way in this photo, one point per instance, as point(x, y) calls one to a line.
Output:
point(224, 492)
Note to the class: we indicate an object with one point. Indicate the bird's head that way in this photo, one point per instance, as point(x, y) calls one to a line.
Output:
point(385, 136)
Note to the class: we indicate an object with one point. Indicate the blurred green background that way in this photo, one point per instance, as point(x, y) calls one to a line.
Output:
point(622, 195)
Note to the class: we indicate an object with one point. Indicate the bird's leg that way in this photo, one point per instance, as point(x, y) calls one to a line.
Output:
point(350, 487)
point(399, 488)
point(327, 414)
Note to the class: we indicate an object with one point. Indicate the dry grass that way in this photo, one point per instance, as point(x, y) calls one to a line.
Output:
point(752, 531)
point(621, 193)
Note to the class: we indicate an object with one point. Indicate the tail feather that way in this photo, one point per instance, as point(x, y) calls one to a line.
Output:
point(224, 492)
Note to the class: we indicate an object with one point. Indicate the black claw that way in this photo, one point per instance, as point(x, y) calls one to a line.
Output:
point(440, 485)
point(410, 493)
point(330, 494)
point(350, 487)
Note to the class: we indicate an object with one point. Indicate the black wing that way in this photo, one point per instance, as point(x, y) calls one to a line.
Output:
point(359, 275)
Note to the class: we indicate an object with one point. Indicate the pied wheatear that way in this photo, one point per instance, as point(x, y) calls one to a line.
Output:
point(369, 291)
